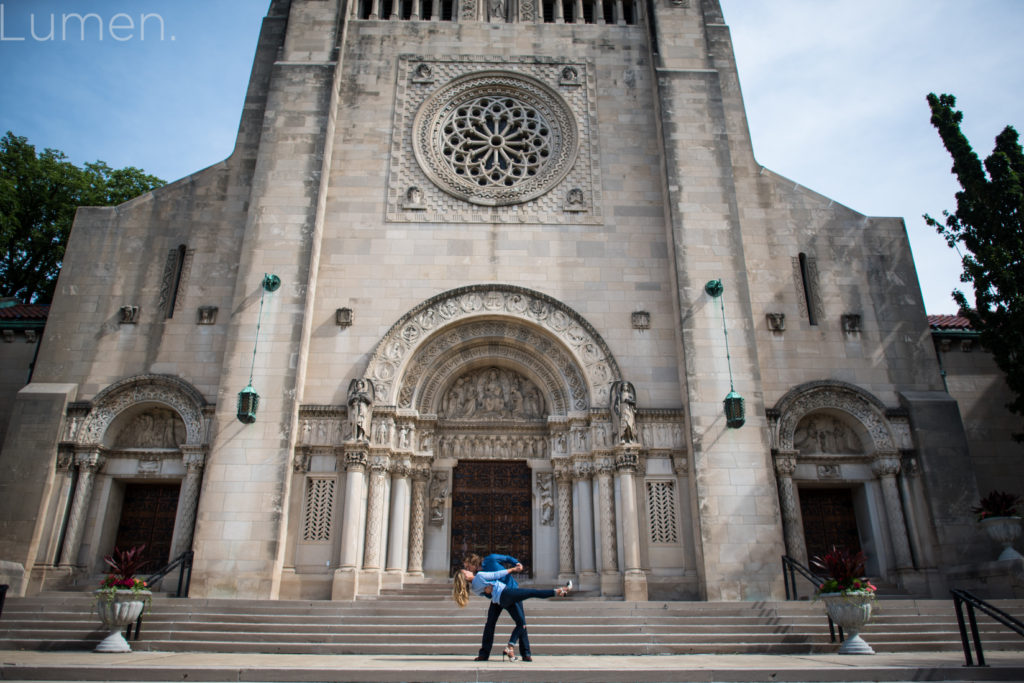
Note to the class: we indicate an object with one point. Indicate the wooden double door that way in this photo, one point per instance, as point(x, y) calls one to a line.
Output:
point(147, 518)
point(492, 511)
point(829, 520)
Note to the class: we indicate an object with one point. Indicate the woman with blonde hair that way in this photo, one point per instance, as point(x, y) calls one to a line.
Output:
point(488, 585)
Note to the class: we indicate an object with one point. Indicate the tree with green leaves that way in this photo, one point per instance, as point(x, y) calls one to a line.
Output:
point(38, 197)
point(989, 225)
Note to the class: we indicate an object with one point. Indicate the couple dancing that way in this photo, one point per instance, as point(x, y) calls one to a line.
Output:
point(489, 578)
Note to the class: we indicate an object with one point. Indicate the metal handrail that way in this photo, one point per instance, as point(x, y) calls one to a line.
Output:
point(3, 596)
point(962, 597)
point(184, 577)
point(790, 568)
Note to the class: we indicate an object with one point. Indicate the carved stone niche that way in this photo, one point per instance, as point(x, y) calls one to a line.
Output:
point(207, 315)
point(343, 317)
point(851, 323)
point(776, 322)
point(129, 315)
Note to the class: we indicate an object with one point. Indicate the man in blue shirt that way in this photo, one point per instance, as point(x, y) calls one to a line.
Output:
point(493, 563)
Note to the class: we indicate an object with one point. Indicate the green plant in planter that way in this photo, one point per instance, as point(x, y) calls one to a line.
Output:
point(124, 565)
point(997, 504)
point(844, 571)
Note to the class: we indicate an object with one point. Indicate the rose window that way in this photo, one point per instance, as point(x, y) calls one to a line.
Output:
point(495, 138)
point(496, 141)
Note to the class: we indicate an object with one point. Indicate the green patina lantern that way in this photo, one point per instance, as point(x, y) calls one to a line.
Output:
point(248, 402)
point(734, 412)
point(248, 399)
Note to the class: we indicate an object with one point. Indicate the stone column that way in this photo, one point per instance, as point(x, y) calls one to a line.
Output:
point(566, 559)
point(582, 472)
point(611, 579)
point(346, 577)
point(398, 534)
point(792, 522)
point(370, 578)
point(89, 463)
point(627, 459)
point(886, 466)
point(418, 516)
point(188, 500)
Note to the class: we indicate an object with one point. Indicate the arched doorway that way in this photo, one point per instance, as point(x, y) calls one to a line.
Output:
point(491, 510)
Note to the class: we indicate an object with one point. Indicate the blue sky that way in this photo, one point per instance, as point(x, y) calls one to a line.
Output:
point(834, 92)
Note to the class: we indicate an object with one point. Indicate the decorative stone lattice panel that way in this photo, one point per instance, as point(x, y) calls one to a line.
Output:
point(661, 507)
point(316, 523)
point(452, 113)
point(412, 344)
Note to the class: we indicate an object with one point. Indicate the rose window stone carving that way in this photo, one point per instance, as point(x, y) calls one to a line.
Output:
point(495, 138)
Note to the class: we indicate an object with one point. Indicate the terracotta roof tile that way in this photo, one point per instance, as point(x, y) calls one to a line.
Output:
point(25, 312)
point(948, 322)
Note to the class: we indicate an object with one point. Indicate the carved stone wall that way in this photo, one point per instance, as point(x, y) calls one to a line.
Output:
point(172, 392)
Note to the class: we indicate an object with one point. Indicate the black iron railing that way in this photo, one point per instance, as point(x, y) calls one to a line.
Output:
point(961, 598)
point(790, 568)
point(3, 596)
point(183, 563)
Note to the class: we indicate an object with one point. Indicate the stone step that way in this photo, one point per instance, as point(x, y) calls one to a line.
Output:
point(566, 627)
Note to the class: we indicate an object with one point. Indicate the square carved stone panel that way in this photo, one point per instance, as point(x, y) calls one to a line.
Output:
point(479, 140)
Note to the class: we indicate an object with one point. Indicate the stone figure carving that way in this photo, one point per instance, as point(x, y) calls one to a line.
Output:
point(360, 408)
point(575, 200)
point(155, 428)
point(413, 199)
point(438, 496)
point(496, 10)
point(492, 393)
point(547, 503)
point(623, 409)
point(823, 434)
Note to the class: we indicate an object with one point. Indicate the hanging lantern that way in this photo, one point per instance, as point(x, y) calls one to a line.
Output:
point(248, 402)
point(734, 414)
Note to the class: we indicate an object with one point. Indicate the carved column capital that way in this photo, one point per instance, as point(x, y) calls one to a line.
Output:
point(91, 460)
point(681, 465)
point(627, 459)
point(194, 457)
point(605, 465)
point(582, 468)
point(355, 460)
point(563, 470)
point(785, 463)
point(886, 465)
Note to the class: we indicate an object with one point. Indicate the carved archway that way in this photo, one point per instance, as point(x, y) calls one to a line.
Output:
point(863, 409)
point(543, 338)
point(127, 394)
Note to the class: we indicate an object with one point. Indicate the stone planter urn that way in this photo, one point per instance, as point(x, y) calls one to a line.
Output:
point(850, 611)
point(117, 609)
point(1004, 530)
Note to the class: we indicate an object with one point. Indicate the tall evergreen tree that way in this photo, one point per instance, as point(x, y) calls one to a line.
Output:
point(989, 225)
point(38, 198)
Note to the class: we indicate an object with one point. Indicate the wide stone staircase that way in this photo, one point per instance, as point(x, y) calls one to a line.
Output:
point(422, 620)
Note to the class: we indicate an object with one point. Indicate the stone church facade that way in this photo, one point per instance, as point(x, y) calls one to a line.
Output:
point(494, 226)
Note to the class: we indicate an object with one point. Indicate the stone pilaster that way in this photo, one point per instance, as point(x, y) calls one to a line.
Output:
point(886, 466)
point(194, 458)
point(792, 523)
point(346, 577)
point(563, 482)
point(418, 516)
point(89, 463)
point(582, 474)
point(611, 579)
point(627, 459)
point(398, 533)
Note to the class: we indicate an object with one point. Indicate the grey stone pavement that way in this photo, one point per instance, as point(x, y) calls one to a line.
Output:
point(190, 666)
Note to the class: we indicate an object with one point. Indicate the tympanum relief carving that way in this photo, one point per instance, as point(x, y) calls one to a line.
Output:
point(492, 393)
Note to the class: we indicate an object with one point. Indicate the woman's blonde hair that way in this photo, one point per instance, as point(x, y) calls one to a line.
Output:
point(460, 589)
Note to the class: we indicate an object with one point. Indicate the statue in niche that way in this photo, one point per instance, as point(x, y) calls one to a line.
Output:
point(496, 10)
point(492, 393)
point(623, 409)
point(360, 408)
point(154, 428)
point(825, 434)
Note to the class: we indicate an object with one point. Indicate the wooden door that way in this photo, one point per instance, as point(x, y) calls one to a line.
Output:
point(829, 520)
point(492, 511)
point(147, 517)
